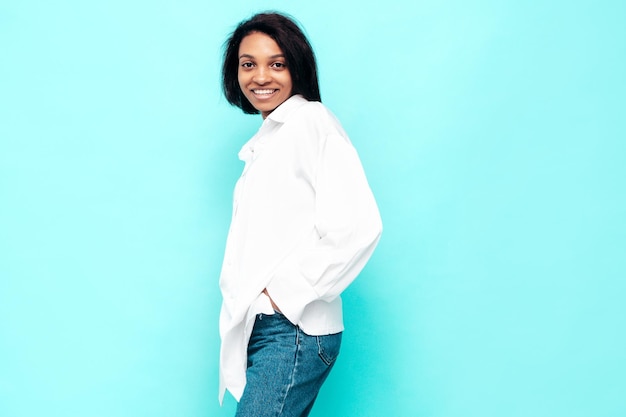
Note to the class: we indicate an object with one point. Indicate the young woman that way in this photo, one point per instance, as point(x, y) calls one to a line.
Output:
point(304, 224)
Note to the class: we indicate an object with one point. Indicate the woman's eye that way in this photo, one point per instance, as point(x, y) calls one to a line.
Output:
point(279, 65)
point(247, 64)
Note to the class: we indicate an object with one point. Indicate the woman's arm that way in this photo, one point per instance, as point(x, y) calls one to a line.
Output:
point(348, 224)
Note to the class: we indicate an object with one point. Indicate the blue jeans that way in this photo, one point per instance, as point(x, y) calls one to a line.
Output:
point(286, 368)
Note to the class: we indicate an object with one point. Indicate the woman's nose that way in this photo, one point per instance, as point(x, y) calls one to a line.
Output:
point(261, 76)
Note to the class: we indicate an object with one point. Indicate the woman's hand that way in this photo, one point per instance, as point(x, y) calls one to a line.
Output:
point(274, 306)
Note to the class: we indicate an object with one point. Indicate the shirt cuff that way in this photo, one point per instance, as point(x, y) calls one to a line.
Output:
point(291, 293)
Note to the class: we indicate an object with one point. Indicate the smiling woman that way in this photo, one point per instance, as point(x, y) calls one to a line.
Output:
point(304, 225)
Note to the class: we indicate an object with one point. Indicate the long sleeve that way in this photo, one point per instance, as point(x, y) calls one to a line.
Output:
point(347, 229)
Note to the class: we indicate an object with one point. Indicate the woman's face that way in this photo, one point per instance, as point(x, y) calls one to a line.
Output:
point(263, 75)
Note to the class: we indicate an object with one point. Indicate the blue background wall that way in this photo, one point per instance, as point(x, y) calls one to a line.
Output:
point(493, 135)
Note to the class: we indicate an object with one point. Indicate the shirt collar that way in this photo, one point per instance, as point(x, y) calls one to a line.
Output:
point(279, 115)
point(282, 112)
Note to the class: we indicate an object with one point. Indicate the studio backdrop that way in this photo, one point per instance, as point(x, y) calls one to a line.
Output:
point(493, 135)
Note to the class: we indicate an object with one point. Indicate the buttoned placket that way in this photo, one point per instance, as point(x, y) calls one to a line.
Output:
point(253, 146)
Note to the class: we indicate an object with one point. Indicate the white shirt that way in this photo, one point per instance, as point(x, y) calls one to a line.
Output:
point(304, 224)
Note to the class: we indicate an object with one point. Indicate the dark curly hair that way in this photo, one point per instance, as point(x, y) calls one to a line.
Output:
point(299, 57)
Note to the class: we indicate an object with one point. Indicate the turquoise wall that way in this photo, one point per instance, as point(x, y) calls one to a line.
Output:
point(494, 137)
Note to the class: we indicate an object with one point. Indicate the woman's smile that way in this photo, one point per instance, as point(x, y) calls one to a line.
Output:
point(263, 94)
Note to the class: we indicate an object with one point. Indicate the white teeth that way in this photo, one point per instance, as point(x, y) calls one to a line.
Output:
point(263, 91)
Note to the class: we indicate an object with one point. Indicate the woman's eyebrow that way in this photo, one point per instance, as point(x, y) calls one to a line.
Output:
point(252, 57)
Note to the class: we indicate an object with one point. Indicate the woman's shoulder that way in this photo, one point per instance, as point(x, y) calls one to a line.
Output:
point(315, 109)
point(314, 113)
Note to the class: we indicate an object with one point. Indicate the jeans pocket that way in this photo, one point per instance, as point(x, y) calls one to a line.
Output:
point(328, 347)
